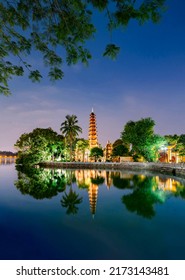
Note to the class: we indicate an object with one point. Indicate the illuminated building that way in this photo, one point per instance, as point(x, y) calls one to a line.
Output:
point(108, 151)
point(93, 138)
point(168, 154)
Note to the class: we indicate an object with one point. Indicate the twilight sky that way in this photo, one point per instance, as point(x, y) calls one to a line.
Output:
point(146, 80)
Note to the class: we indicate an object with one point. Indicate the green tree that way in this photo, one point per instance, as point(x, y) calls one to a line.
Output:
point(119, 149)
point(141, 140)
point(70, 130)
point(39, 145)
point(58, 30)
point(82, 145)
point(96, 153)
point(178, 143)
point(181, 143)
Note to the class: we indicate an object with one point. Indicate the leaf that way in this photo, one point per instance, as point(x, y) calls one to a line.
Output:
point(111, 51)
point(5, 90)
point(100, 4)
point(35, 76)
point(55, 74)
point(18, 70)
point(68, 24)
point(51, 58)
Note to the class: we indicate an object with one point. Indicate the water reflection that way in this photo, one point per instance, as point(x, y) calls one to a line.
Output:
point(40, 183)
point(70, 201)
point(7, 160)
point(139, 193)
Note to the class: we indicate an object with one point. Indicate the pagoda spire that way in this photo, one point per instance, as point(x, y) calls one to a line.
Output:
point(93, 137)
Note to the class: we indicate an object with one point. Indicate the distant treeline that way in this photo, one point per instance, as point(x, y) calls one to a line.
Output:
point(7, 153)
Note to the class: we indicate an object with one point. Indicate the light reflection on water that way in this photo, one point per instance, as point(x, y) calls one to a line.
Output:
point(7, 160)
point(90, 214)
point(140, 192)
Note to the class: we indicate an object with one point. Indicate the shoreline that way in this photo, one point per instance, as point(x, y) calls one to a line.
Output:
point(175, 169)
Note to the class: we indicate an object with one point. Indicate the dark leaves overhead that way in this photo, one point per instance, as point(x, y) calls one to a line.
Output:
point(58, 31)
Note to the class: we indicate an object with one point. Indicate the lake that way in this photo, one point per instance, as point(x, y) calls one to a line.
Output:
point(90, 214)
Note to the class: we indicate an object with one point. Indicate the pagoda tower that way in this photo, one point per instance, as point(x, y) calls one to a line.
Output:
point(93, 195)
point(93, 138)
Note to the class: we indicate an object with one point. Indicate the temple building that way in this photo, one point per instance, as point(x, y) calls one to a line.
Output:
point(93, 137)
point(83, 155)
point(170, 155)
point(108, 151)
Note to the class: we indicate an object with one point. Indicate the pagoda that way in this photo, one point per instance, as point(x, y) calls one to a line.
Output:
point(93, 138)
point(108, 151)
point(93, 195)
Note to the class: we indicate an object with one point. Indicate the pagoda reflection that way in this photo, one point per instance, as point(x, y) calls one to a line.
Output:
point(139, 192)
point(91, 179)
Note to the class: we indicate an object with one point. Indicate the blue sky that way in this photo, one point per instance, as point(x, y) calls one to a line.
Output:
point(146, 80)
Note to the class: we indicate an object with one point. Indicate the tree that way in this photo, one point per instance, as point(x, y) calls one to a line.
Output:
point(58, 30)
point(81, 146)
point(70, 129)
point(42, 144)
point(141, 140)
point(181, 143)
point(119, 149)
point(177, 142)
point(96, 152)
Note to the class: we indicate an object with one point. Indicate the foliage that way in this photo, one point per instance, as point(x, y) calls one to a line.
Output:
point(181, 145)
point(58, 31)
point(120, 183)
point(39, 145)
point(143, 197)
point(82, 145)
point(39, 183)
point(70, 130)
point(98, 180)
point(140, 137)
point(119, 149)
point(70, 201)
point(70, 177)
point(177, 142)
point(96, 152)
point(7, 153)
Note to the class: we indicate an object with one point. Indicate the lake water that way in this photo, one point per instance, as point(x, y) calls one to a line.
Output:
point(86, 214)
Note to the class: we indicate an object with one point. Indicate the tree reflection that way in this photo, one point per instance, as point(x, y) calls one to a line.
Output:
point(98, 180)
point(70, 201)
point(139, 193)
point(40, 183)
point(121, 183)
point(144, 196)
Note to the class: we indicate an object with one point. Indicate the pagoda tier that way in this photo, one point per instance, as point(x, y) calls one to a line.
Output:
point(93, 195)
point(93, 138)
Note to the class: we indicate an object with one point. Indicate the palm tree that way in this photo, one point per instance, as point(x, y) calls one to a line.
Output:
point(70, 201)
point(70, 129)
